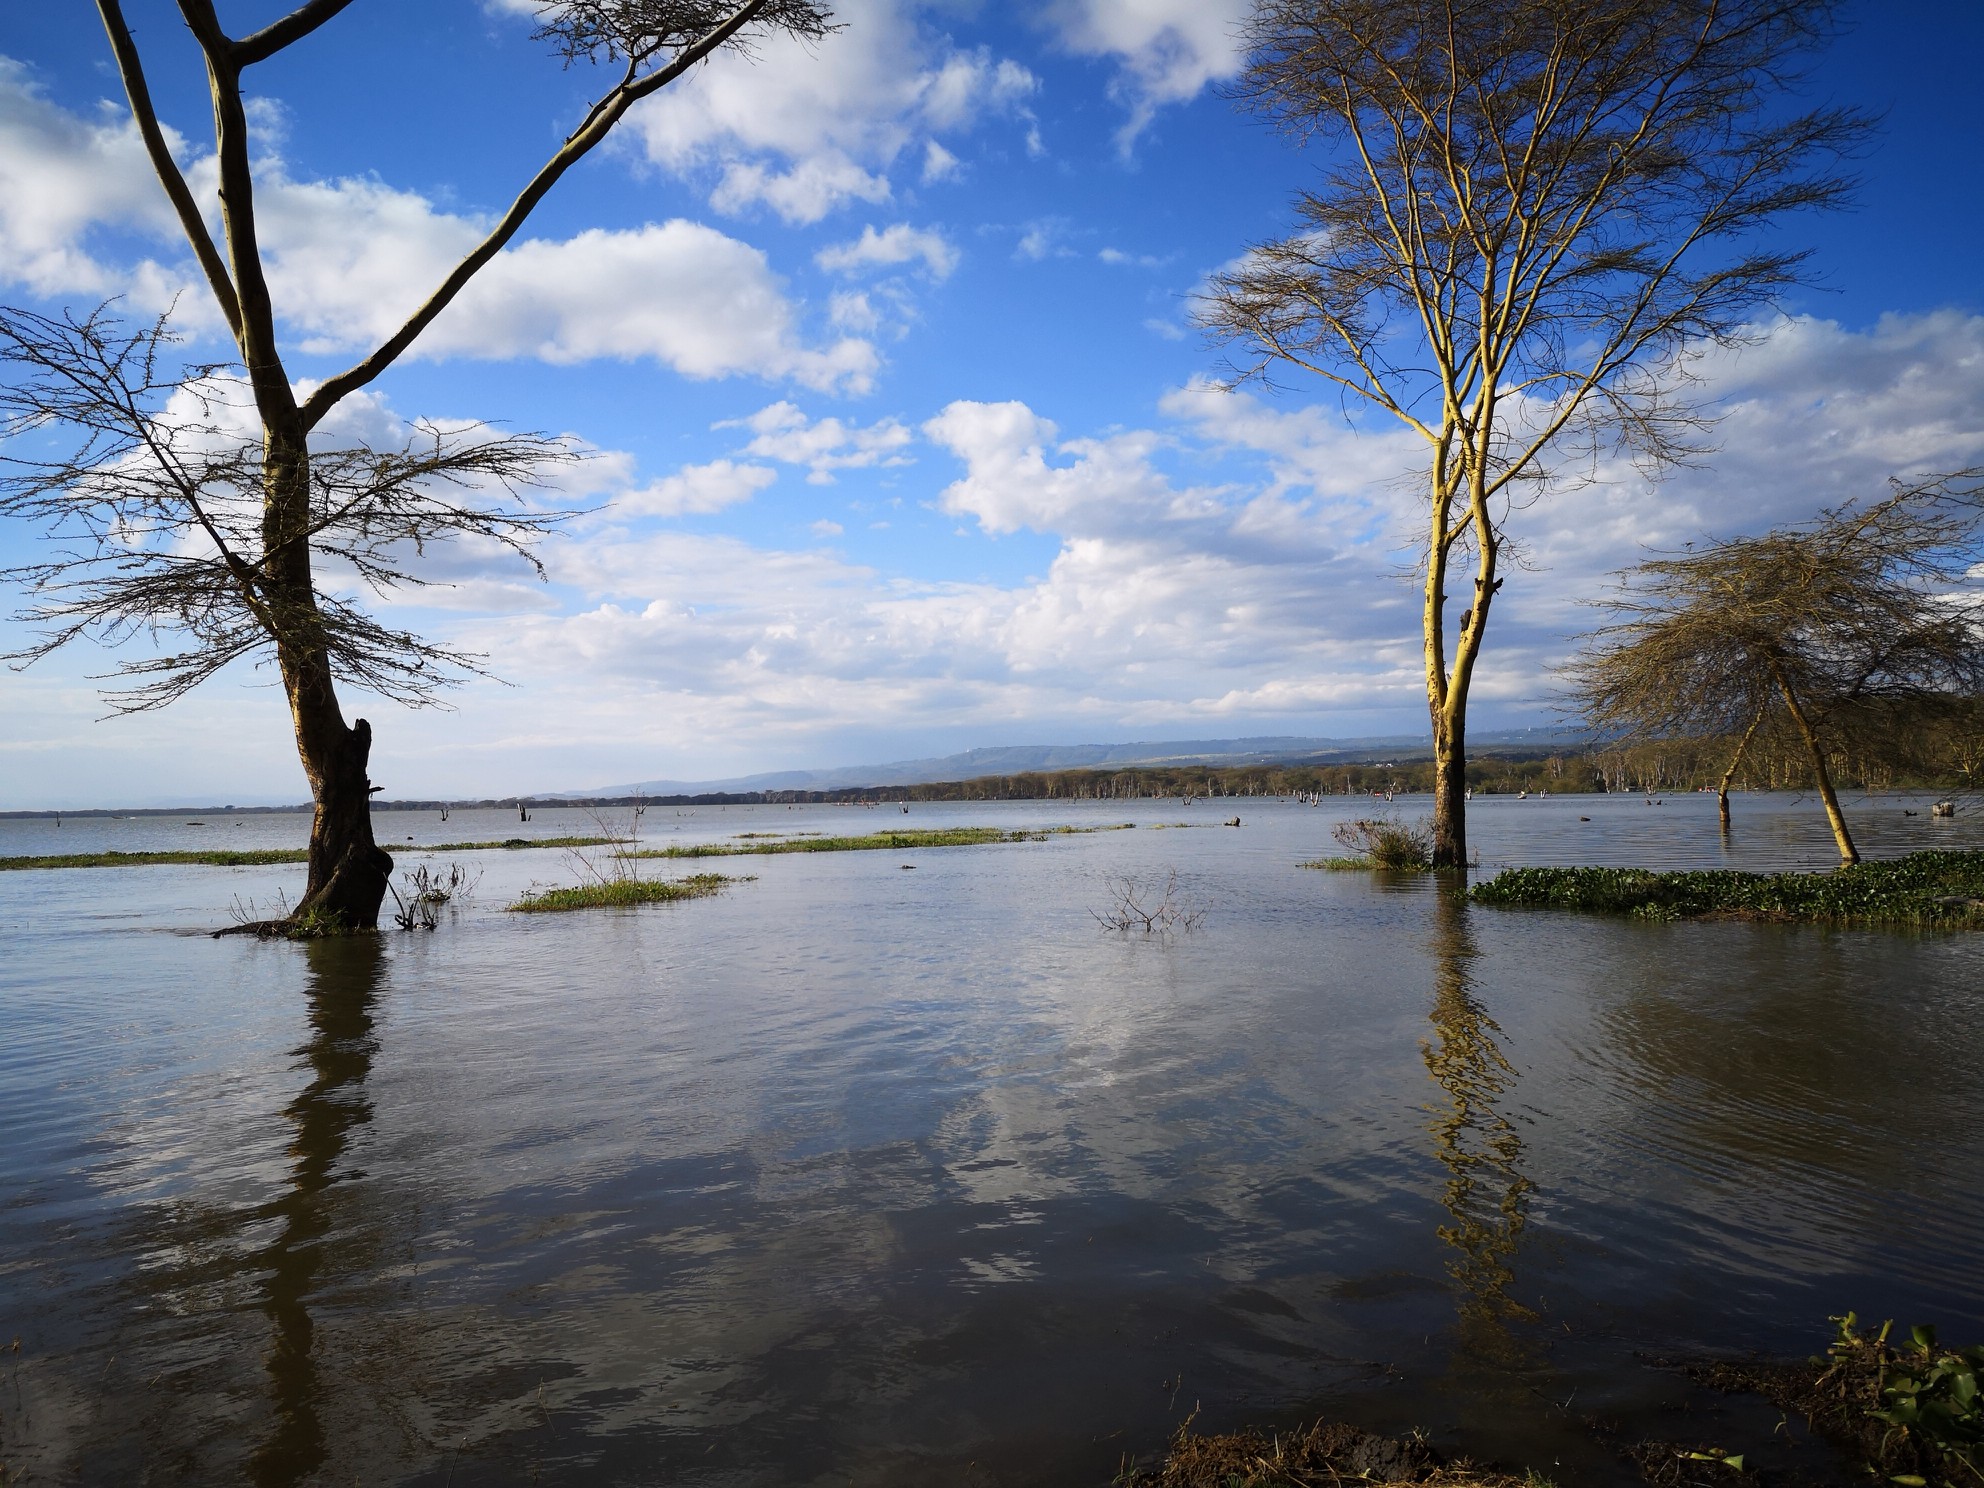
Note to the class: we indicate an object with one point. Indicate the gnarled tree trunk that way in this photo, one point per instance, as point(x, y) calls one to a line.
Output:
point(349, 872)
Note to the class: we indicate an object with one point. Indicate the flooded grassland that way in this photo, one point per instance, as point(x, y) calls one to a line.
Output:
point(849, 1172)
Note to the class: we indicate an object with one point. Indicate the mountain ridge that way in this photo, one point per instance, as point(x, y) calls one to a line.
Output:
point(1016, 759)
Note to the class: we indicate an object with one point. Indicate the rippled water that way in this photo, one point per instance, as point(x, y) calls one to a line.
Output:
point(885, 1176)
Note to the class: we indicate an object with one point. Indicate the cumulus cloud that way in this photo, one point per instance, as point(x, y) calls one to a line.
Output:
point(64, 177)
point(349, 259)
point(805, 129)
point(900, 244)
point(696, 490)
point(1165, 51)
point(782, 432)
point(1109, 485)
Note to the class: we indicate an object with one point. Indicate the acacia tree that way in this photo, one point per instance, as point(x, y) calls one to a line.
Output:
point(1536, 213)
point(1823, 632)
point(174, 522)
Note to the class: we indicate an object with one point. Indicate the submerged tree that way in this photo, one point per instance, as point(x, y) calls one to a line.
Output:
point(1867, 618)
point(1537, 214)
point(182, 511)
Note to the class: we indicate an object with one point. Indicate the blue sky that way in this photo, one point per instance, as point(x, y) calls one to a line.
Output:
point(883, 352)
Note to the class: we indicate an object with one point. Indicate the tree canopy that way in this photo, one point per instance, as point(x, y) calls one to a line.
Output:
point(1828, 629)
point(1533, 217)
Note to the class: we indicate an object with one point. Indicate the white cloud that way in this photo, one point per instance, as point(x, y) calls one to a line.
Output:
point(1312, 445)
point(852, 311)
point(939, 164)
point(349, 259)
point(1042, 239)
point(825, 528)
point(1166, 51)
point(803, 129)
point(696, 490)
point(783, 433)
point(63, 177)
point(899, 244)
point(680, 293)
point(1109, 485)
point(807, 192)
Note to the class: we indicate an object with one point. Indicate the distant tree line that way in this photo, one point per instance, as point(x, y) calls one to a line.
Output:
point(1934, 746)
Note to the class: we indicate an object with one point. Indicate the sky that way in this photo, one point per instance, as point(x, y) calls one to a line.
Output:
point(901, 438)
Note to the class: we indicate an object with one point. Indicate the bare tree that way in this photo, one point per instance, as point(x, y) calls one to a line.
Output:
point(1869, 617)
point(1536, 215)
point(171, 521)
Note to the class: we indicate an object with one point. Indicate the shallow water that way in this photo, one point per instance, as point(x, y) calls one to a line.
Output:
point(864, 1174)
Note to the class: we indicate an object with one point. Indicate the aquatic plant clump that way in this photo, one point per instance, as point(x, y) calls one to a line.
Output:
point(1924, 888)
point(1382, 842)
point(623, 893)
point(1912, 1413)
point(1324, 1453)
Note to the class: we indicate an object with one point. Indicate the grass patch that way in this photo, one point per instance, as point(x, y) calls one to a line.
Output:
point(255, 858)
point(1339, 865)
point(261, 857)
point(624, 893)
point(1924, 888)
point(874, 842)
point(509, 843)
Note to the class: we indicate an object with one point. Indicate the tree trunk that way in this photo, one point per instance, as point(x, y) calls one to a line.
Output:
point(1449, 790)
point(349, 873)
point(1735, 763)
point(1848, 853)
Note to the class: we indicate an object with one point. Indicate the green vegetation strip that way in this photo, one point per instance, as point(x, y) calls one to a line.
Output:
point(1924, 888)
point(875, 842)
point(258, 857)
point(624, 892)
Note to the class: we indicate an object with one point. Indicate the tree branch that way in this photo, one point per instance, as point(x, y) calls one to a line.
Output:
point(131, 70)
point(299, 23)
point(602, 118)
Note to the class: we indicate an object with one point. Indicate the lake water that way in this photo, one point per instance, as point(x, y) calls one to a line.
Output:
point(897, 1168)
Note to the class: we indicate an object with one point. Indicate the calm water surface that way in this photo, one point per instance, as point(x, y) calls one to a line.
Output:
point(894, 1168)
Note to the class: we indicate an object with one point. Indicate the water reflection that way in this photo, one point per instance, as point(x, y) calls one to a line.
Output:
point(344, 978)
point(1487, 1193)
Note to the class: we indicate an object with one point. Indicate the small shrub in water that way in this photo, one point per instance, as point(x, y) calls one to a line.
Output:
point(1387, 842)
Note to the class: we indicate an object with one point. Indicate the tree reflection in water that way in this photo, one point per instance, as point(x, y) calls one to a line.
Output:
point(344, 977)
point(1487, 1194)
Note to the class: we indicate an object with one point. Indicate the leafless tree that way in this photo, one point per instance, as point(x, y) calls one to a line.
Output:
point(169, 521)
point(1867, 619)
point(1533, 218)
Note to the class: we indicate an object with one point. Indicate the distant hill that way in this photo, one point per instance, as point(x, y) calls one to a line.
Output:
point(1016, 759)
